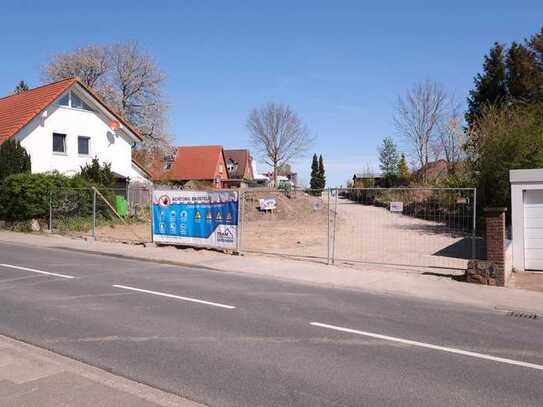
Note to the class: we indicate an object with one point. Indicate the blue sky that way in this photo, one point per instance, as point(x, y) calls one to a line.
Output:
point(339, 64)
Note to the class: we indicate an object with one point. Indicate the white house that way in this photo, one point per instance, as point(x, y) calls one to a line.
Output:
point(63, 125)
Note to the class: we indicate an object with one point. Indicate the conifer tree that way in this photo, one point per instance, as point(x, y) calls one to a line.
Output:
point(314, 182)
point(13, 159)
point(321, 174)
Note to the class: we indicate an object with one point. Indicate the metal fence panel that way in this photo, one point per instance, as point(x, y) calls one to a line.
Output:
point(428, 227)
point(298, 225)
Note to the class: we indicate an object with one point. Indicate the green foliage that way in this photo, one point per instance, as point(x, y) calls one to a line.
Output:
point(29, 196)
point(26, 196)
point(388, 161)
point(13, 159)
point(314, 182)
point(490, 86)
point(318, 174)
point(511, 75)
point(21, 87)
point(508, 138)
point(98, 174)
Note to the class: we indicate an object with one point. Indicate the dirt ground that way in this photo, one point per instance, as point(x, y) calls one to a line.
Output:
point(300, 227)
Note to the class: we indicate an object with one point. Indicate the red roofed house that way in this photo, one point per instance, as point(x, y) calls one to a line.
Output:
point(239, 164)
point(63, 125)
point(199, 164)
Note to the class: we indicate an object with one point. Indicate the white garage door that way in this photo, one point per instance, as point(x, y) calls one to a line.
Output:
point(533, 230)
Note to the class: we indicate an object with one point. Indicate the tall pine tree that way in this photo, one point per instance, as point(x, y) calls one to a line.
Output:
point(490, 86)
point(321, 174)
point(314, 182)
point(524, 79)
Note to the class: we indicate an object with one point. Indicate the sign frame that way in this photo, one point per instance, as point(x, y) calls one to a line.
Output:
point(216, 221)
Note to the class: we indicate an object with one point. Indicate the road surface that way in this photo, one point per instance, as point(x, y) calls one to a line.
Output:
point(224, 339)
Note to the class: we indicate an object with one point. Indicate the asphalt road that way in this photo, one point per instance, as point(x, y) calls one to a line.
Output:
point(231, 340)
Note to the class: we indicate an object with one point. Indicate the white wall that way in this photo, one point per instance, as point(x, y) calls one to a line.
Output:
point(108, 146)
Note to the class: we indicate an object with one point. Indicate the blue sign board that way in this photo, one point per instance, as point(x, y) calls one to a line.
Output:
point(196, 218)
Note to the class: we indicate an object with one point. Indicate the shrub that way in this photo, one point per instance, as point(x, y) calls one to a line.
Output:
point(26, 196)
point(98, 174)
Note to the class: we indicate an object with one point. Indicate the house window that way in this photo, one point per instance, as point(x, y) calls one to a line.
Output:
point(59, 143)
point(221, 168)
point(70, 99)
point(83, 145)
point(65, 100)
point(77, 103)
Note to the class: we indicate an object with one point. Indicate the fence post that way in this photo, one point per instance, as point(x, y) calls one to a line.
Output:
point(50, 211)
point(241, 200)
point(474, 226)
point(328, 245)
point(334, 230)
point(94, 214)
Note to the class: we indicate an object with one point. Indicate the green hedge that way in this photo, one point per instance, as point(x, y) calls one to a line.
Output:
point(27, 196)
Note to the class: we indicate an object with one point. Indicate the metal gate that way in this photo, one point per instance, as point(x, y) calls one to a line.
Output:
point(426, 227)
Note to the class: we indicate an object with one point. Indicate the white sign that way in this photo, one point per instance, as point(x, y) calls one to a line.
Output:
point(267, 204)
point(396, 207)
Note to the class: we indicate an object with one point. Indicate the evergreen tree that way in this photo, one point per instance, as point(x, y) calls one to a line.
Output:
point(490, 86)
point(314, 182)
point(13, 159)
point(97, 173)
point(321, 174)
point(524, 79)
point(403, 170)
point(388, 161)
point(21, 87)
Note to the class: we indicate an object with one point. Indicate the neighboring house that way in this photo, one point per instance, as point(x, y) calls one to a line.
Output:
point(433, 171)
point(63, 125)
point(198, 166)
point(240, 168)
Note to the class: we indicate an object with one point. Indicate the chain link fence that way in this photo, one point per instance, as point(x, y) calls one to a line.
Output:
point(101, 214)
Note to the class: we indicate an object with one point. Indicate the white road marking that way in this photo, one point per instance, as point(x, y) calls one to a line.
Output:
point(430, 346)
point(48, 273)
point(177, 297)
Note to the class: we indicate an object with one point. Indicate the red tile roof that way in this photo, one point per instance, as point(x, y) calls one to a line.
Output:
point(17, 111)
point(197, 163)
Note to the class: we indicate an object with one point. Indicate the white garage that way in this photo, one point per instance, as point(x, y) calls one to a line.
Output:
point(527, 219)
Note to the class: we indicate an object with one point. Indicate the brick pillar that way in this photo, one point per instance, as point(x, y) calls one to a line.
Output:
point(495, 241)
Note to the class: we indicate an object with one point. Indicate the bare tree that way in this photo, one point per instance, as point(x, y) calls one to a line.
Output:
point(417, 116)
point(126, 77)
point(90, 64)
point(451, 135)
point(278, 134)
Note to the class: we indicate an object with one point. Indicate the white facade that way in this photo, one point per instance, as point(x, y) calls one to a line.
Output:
point(527, 218)
point(108, 145)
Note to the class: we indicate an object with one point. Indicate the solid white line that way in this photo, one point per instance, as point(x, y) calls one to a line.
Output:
point(36, 271)
point(430, 346)
point(177, 297)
